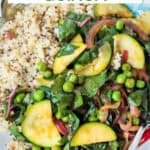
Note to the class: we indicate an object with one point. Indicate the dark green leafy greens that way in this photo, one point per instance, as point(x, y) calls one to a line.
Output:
point(67, 30)
point(101, 146)
point(77, 17)
point(57, 90)
point(73, 123)
point(47, 91)
point(88, 56)
point(106, 34)
point(66, 49)
point(92, 84)
point(15, 131)
point(138, 98)
point(147, 47)
point(19, 113)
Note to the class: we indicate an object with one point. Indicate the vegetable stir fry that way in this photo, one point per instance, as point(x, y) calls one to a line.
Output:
point(96, 95)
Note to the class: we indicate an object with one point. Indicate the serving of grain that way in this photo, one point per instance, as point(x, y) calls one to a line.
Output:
point(24, 41)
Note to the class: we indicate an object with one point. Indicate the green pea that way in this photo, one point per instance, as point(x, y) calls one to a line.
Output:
point(35, 147)
point(121, 78)
point(100, 115)
point(119, 25)
point(47, 74)
point(114, 145)
point(128, 73)
point(38, 95)
point(65, 119)
point(130, 83)
point(126, 67)
point(58, 115)
point(128, 115)
point(78, 101)
point(68, 86)
point(140, 84)
point(41, 66)
point(19, 98)
point(92, 118)
point(73, 78)
point(78, 67)
point(136, 121)
point(109, 93)
point(81, 79)
point(116, 95)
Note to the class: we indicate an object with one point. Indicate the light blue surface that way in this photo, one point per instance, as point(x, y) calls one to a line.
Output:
point(139, 8)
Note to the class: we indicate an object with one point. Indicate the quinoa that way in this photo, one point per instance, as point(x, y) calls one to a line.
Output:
point(33, 38)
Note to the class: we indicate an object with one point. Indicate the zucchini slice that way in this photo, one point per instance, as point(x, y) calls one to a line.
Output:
point(38, 126)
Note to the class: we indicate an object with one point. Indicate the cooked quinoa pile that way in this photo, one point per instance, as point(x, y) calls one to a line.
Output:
point(26, 40)
point(33, 38)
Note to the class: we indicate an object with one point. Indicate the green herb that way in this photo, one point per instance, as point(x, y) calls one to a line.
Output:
point(66, 49)
point(88, 56)
point(67, 30)
point(147, 47)
point(84, 30)
point(73, 123)
point(15, 131)
point(5, 108)
point(137, 98)
point(47, 91)
point(77, 17)
point(92, 84)
point(103, 32)
point(98, 146)
point(57, 90)
point(78, 100)
point(19, 113)
point(107, 36)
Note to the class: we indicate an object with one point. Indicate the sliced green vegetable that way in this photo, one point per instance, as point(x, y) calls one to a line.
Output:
point(135, 51)
point(99, 64)
point(82, 137)
point(112, 9)
point(62, 62)
point(38, 126)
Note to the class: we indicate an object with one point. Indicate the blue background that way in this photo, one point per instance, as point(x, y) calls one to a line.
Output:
point(139, 8)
